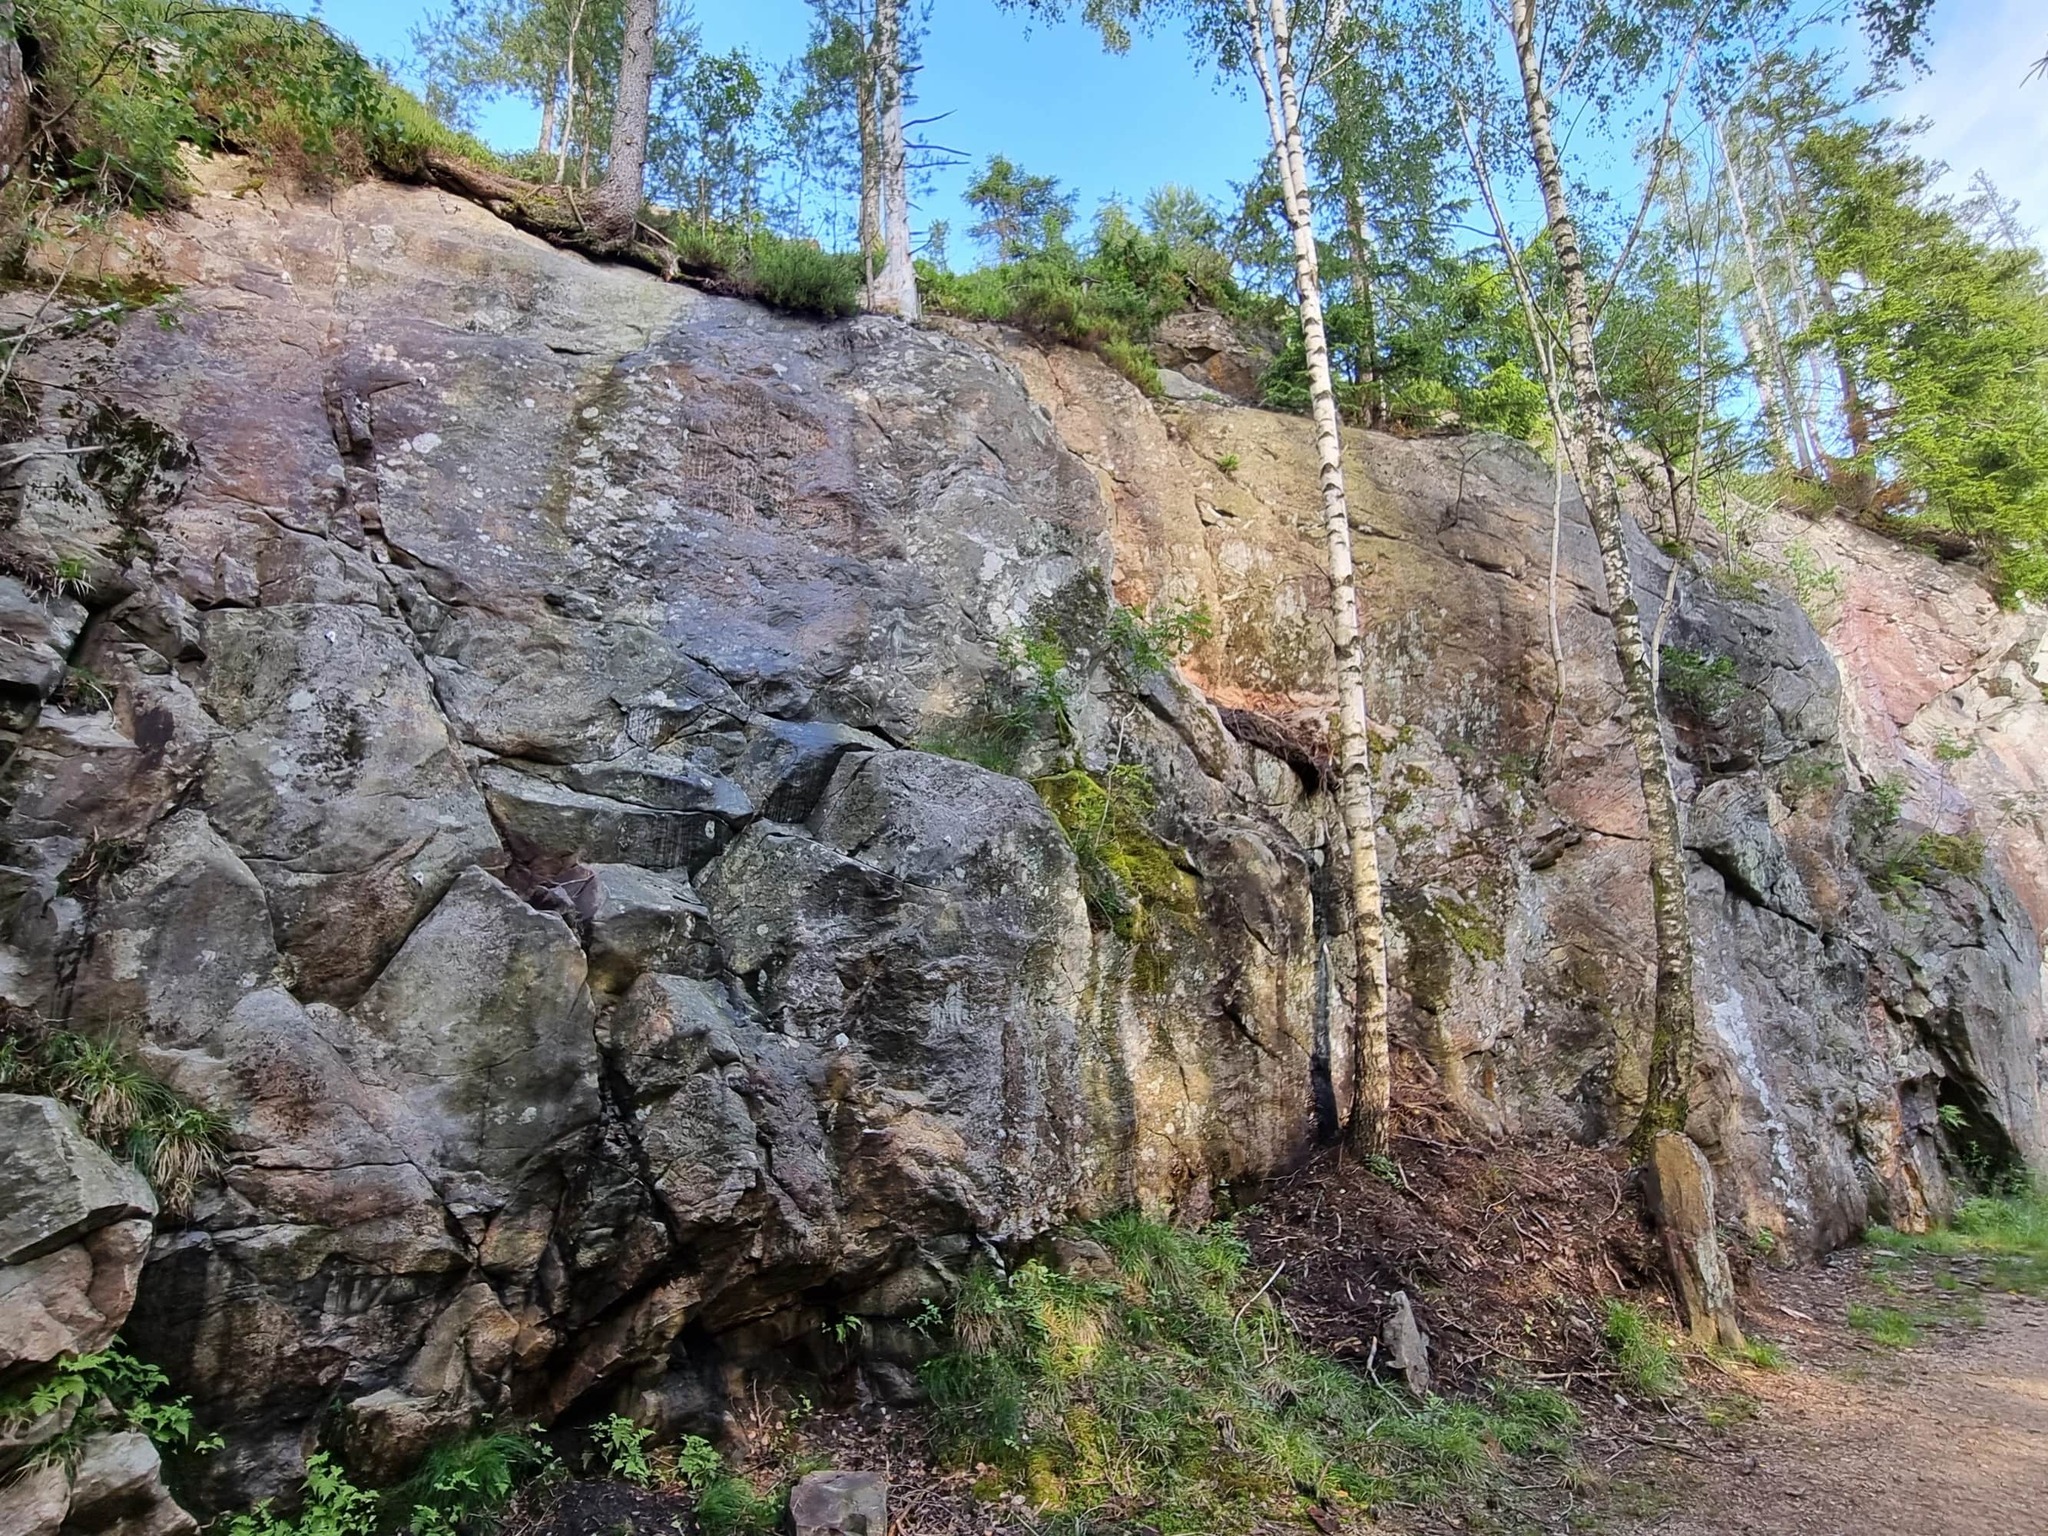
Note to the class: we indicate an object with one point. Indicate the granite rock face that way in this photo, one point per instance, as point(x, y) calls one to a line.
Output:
point(506, 757)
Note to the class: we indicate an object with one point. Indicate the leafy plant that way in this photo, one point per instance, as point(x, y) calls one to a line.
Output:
point(622, 1446)
point(2010, 1230)
point(1154, 640)
point(460, 1488)
point(1642, 1351)
point(330, 1505)
point(698, 1463)
point(1227, 462)
point(130, 1389)
point(1815, 587)
point(1948, 748)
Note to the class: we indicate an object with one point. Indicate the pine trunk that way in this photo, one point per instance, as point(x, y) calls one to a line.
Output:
point(896, 289)
point(1673, 1035)
point(615, 211)
point(1372, 1099)
point(867, 124)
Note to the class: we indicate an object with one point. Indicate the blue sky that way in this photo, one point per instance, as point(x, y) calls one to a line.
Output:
point(1117, 126)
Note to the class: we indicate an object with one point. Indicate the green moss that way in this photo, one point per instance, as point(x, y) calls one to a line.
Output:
point(1132, 881)
point(1176, 1395)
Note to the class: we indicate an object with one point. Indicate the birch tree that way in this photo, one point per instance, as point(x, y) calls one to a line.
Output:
point(1259, 39)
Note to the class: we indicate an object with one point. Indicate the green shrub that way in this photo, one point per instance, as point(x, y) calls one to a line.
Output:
point(131, 1389)
point(1176, 1391)
point(124, 82)
point(797, 276)
point(1705, 686)
point(330, 1506)
point(1888, 1326)
point(622, 1446)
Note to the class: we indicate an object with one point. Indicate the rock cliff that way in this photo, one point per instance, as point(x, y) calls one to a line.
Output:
point(490, 726)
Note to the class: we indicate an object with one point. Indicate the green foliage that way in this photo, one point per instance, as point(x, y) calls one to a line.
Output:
point(1808, 776)
point(461, 1487)
point(1883, 799)
point(130, 1389)
point(1177, 1392)
point(1948, 749)
point(1109, 298)
point(622, 1446)
point(2010, 1231)
point(1705, 686)
point(1815, 587)
point(124, 82)
point(1153, 641)
point(176, 1145)
point(1901, 868)
point(1642, 1351)
point(1227, 462)
point(330, 1506)
point(698, 1463)
point(1446, 340)
point(797, 276)
point(1951, 332)
point(732, 1506)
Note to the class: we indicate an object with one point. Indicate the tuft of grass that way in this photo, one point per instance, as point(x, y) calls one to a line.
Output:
point(173, 1143)
point(1642, 1351)
point(1891, 1327)
point(1176, 1391)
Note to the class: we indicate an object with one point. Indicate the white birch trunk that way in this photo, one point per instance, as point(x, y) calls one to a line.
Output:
point(1372, 1097)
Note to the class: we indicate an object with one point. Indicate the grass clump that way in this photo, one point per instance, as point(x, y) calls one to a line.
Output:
point(173, 1143)
point(1891, 1327)
point(461, 1487)
point(2009, 1231)
point(1642, 1351)
point(1175, 1391)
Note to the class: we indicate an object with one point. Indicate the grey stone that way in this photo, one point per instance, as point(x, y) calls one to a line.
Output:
point(56, 1184)
point(645, 920)
point(35, 1502)
point(840, 1504)
point(117, 1489)
point(481, 1026)
point(1407, 1345)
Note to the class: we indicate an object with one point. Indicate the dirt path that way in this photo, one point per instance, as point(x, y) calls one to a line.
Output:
point(1946, 1437)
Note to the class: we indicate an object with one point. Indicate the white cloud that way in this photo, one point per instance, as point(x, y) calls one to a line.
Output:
point(1983, 114)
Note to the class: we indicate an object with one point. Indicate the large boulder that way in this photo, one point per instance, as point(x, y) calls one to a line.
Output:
point(74, 1226)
